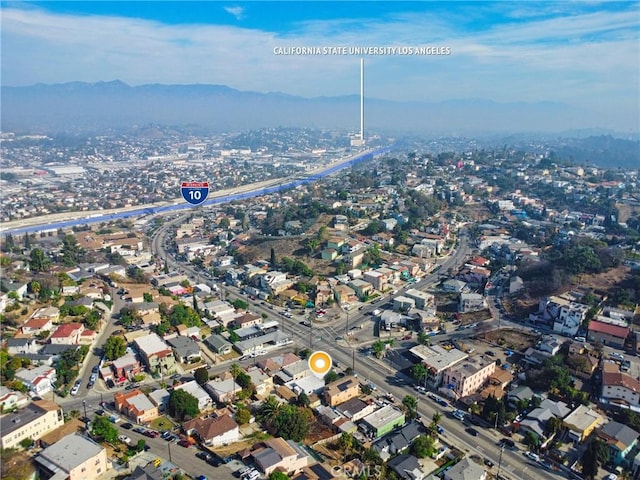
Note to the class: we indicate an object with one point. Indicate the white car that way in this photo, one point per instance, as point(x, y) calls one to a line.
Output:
point(76, 388)
point(421, 389)
point(124, 439)
point(533, 456)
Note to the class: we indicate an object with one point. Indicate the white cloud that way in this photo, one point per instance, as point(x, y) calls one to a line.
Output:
point(237, 12)
point(588, 59)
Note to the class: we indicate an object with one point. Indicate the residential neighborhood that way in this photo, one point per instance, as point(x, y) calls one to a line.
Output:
point(481, 317)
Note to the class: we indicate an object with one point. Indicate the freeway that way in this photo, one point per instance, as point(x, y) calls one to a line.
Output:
point(52, 223)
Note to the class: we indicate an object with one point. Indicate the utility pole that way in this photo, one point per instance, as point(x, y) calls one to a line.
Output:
point(500, 461)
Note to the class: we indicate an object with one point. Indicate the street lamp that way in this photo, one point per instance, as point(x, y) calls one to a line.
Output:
point(523, 470)
point(84, 405)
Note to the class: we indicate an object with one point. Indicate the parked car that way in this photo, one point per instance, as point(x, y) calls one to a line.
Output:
point(127, 426)
point(76, 387)
point(488, 463)
point(532, 456)
point(439, 429)
point(151, 434)
point(124, 439)
point(139, 430)
point(421, 389)
point(472, 431)
point(203, 456)
point(184, 443)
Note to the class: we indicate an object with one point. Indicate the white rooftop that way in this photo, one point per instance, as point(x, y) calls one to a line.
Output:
point(71, 452)
point(150, 344)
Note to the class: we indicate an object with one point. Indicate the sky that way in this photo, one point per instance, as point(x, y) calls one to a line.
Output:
point(582, 53)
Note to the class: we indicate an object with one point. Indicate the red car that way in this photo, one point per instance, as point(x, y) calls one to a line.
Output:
point(151, 434)
point(184, 443)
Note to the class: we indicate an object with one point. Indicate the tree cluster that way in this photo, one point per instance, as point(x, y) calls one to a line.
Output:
point(287, 421)
point(182, 405)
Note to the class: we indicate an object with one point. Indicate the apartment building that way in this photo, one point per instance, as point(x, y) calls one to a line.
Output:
point(75, 457)
point(469, 377)
point(35, 420)
point(341, 390)
point(156, 354)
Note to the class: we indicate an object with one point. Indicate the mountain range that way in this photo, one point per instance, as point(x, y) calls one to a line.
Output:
point(79, 106)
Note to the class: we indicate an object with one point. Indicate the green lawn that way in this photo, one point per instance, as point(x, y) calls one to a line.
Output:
point(162, 423)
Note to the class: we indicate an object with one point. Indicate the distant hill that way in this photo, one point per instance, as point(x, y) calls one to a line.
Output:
point(79, 106)
point(602, 150)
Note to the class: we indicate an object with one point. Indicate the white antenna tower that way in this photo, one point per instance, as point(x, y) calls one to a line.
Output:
point(362, 100)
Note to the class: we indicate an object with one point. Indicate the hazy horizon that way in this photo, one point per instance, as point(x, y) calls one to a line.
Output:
point(583, 55)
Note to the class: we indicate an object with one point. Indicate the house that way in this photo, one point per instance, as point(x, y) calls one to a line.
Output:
point(38, 380)
point(21, 346)
point(355, 409)
point(382, 421)
point(185, 349)
point(403, 304)
point(223, 390)
point(341, 390)
point(156, 354)
point(406, 467)
point(456, 286)
point(125, 368)
point(160, 398)
point(276, 363)
point(35, 420)
point(581, 422)
point(536, 420)
point(279, 454)
point(75, 457)
point(607, 334)
point(519, 394)
point(247, 319)
point(471, 302)
point(619, 390)
point(344, 295)
point(136, 406)
point(219, 345)
point(422, 299)
point(399, 440)
point(67, 334)
point(192, 387)
point(620, 440)
point(52, 313)
point(466, 469)
point(213, 432)
point(262, 381)
point(10, 399)
point(36, 325)
point(363, 289)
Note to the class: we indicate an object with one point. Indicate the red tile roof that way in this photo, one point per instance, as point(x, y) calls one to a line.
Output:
point(609, 329)
point(66, 330)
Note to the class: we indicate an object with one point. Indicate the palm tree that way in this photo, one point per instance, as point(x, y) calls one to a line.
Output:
point(437, 416)
point(268, 409)
point(235, 370)
point(419, 372)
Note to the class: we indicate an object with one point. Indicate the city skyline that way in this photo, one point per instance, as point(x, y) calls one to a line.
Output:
point(584, 55)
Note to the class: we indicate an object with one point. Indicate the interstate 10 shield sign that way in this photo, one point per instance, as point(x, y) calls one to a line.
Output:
point(195, 192)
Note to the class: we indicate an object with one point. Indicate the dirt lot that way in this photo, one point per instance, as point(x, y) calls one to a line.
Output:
point(515, 340)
